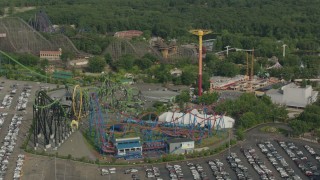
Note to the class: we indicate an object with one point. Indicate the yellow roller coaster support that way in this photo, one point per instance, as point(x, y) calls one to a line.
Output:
point(77, 114)
point(74, 124)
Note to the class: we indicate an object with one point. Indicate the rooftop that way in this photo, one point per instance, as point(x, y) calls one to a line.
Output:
point(177, 140)
point(128, 145)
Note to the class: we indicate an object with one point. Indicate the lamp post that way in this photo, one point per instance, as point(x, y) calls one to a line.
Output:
point(227, 50)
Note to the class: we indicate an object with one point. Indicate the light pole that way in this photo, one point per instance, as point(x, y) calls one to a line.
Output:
point(227, 50)
point(284, 50)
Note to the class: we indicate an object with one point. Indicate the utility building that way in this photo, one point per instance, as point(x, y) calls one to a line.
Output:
point(128, 148)
point(180, 146)
point(293, 96)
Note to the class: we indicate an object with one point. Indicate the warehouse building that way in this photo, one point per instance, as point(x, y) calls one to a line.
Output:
point(180, 146)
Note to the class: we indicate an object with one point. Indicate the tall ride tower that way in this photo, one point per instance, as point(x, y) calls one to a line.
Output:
point(200, 33)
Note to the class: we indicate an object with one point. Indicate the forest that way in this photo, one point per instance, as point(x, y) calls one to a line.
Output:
point(282, 20)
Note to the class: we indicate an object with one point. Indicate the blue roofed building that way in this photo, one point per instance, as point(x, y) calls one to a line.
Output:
point(128, 148)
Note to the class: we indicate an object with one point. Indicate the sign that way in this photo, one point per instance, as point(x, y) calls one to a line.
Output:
point(187, 145)
point(3, 35)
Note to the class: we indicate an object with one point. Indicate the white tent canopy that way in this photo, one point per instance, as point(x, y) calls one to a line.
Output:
point(194, 117)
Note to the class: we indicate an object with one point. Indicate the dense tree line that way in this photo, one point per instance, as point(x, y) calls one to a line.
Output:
point(308, 120)
point(249, 110)
point(172, 18)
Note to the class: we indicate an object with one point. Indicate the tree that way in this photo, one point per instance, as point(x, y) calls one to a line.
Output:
point(247, 120)
point(143, 63)
point(240, 134)
point(44, 63)
point(125, 62)
point(183, 97)
point(208, 98)
point(108, 58)
point(303, 83)
point(96, 64)
point(187, 78)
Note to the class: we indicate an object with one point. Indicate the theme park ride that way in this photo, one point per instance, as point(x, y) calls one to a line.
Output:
point(200, 33)
point(52, 117)
point(107, 124)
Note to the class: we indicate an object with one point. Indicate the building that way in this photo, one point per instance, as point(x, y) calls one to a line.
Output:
point(219, 82)
point(128, 148)
point(292, 95)
point(62, 75)
point(51, 55)
point(79, 63)
point(180, 146)
point(128, 34)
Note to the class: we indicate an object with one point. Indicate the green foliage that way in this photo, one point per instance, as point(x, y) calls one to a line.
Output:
point(250, 110)
point(125, 62)
point(108, 58)
point(240, 134)
point(208, 98)
point(307, 121)
point(96, 64)
point(28, 59)
point(183, 97)
point(143, 63)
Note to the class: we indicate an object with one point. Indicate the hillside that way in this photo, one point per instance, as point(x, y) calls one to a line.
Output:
point(20, 37)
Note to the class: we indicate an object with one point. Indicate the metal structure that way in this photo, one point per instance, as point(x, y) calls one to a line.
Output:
point(41, 22)
point(200, 33)
point(106, 123)
point(51, 120)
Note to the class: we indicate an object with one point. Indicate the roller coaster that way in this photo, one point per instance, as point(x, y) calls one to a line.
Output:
point(106, 123)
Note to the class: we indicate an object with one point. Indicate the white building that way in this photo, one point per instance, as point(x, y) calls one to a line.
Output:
point(194, 117)
point(293, 96)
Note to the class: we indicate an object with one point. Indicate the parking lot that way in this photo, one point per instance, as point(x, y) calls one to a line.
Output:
point(16, 99)
point(216, 167)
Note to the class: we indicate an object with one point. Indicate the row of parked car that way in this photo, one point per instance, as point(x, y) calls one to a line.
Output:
point(305, 165)
point(218, 170)
point(18, 169)
point(9, 143)
point(2, 118)
point(7, 101)
point(108, 171)
point(312, 152)
point(23, 98)
point(238, 167)
point(258, 164)
point(175, 172)
point(278, 161)
point(153, 172)
point(197, 171)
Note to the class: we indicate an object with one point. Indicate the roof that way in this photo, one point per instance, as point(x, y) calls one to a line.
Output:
point(133, 139)
point(178, 140)
point(128, 145)
point(50, 52)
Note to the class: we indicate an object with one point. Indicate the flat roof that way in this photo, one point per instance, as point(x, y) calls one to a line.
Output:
point(128, 145)
point(177, 140)
point(127, 139)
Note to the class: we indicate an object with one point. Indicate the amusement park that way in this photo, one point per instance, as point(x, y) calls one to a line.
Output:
point(112, 119)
